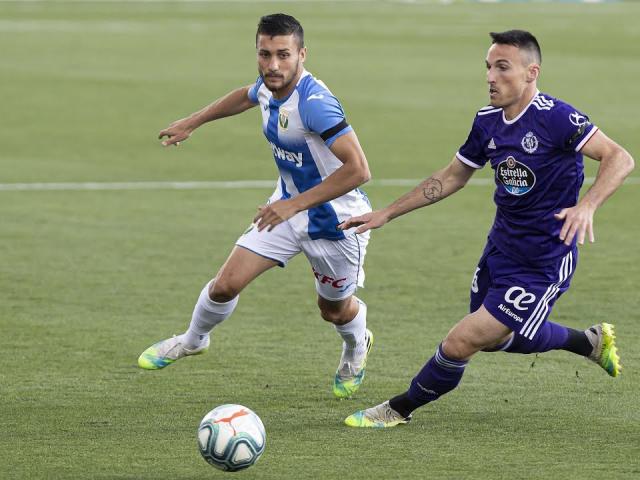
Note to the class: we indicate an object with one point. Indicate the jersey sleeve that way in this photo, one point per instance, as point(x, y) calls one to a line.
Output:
point(569, 128)
point(472, 152)
point(253, 91)
point(322, 113)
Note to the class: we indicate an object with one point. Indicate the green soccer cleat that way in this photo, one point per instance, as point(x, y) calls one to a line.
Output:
point(351, 371)
point(605, 353)
point(165, 352)
point(380, 416)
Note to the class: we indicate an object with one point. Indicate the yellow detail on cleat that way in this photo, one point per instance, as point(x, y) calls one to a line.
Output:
point(166, 352)
point(609, 358)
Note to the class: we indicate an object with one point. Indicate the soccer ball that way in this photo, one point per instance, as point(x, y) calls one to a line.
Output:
point(231, 437)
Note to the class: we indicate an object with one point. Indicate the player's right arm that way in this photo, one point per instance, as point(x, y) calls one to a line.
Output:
point(438, 186)
point(236, 101)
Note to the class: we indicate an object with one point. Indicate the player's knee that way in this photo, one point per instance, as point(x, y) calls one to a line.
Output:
point(458, 347)
point(222, 291)
point(333, 314)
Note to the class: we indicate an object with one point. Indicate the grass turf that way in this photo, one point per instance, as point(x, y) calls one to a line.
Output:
point(90, 279)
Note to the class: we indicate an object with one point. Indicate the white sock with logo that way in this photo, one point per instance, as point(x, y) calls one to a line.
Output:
point(354, 333)
point(206, 315)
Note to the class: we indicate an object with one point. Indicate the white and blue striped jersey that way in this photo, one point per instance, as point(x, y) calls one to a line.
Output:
point(300, 129)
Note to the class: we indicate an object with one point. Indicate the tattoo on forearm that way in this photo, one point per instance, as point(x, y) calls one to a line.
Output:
point(432, 190)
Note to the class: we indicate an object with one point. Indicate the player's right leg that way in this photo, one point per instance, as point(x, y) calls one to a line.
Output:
point(441, 374)
point(216, 302)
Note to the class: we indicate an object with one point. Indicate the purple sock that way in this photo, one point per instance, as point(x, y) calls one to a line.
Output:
point(551, 336)
point(439, 376)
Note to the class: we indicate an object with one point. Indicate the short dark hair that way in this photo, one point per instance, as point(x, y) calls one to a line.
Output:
point(521, 39)
point(280, 24)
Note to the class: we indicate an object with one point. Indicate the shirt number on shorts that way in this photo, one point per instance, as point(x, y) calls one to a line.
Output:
point(474, 282)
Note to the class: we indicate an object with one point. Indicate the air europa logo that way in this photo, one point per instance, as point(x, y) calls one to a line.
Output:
point(517, 178)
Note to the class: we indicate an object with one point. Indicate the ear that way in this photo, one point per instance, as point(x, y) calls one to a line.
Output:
point(533, 72)
point(303, 54)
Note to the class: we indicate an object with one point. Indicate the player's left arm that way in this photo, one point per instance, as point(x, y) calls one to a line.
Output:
point(615, 164)
point(353, 173)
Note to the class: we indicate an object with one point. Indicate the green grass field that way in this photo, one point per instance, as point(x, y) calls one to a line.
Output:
point(88, 279)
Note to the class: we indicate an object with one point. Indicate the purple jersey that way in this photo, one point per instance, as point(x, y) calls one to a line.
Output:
point(538, 172)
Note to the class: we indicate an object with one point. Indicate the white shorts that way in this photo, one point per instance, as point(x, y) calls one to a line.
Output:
point(336, 264)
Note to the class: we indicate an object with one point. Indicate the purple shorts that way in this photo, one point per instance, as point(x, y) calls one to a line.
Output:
point(519, 296)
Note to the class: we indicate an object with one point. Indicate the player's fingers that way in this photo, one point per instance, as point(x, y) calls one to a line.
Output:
point(592, 237)
point(273, 224)
point(561, 214)
point(170, 141)
point(565, 229)
point(262, 225)
point(570, 234)
point(581, 233)
point(347, 224)
point(259, 215)
point(363, 228)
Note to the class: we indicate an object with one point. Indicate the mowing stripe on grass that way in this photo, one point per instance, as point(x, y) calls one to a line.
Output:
point(223, 185)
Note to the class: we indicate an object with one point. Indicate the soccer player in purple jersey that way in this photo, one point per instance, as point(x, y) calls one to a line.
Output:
point(535, 144)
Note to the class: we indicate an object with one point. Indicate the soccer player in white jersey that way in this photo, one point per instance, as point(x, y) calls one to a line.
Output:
point(535, 143)
point(321, 166)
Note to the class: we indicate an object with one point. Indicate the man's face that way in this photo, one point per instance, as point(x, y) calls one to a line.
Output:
point(279, 60)
point(509, 72)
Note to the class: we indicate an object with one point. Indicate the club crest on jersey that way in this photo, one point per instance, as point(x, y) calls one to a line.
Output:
point(529, 142)
point(283, 119)
point(516, 177)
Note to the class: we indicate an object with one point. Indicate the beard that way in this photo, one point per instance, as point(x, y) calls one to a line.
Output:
point(285, 81)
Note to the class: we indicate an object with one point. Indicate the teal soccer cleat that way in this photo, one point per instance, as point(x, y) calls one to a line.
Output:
point(165, 352)
point(380, 416)
point(350, 373)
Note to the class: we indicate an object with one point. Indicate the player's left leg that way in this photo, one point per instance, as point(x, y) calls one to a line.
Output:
point(441, 374)
point(338, 270)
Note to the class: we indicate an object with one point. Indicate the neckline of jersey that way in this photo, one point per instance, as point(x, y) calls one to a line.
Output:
point(511, 122)
point(277, 103)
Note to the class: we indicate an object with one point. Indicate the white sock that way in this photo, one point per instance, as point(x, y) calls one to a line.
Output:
point(206, 315)
point(354, 333)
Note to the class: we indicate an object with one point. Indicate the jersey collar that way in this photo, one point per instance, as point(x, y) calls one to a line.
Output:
point(514, 120)
point(277, 102)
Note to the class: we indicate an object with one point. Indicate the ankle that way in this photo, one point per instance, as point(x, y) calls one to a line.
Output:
point(403, 404)
point(193, 340)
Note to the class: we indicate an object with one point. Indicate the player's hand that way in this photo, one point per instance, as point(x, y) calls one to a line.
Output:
point(368, 221)
point(578, 221)
point(177, 132)
point(269, 216)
